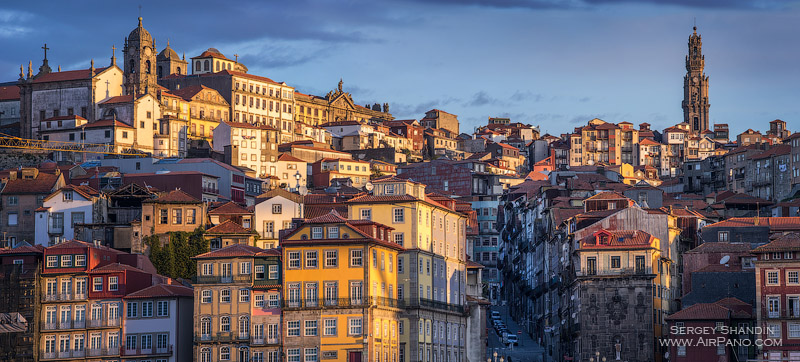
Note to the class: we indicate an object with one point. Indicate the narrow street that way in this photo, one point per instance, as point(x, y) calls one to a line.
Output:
point(527, 350)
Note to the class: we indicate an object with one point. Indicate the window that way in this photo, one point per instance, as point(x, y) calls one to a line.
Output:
point(147, 309)
point(354, 326)
point(331, 258)
point(205, 296)
point(682, 351)
point(80, 260)
point(244, 295)
point(293, 355)
point(311, 355)
point(356, 258)
point(97, 284)
point(177, 216)
point(224, 352)
point(329, 326)
point(259, 272)
point(244, 268)
point(400, 264)
point(163, 216)
point(773, 330)
point(277, 208)
point(12, 219)
point(273, 300)
point(794, 330)
point(722, 236)
point(225, 296)
point(52, 261)
point(311, 259)
point(310, 328)
point(225, 324)
point(366, 214)
point(191, 216)
point(163, 308)
point(773, 307)
point(792, 277)
point(772, 278)
point(333, 232)
point(316, 232)
point(615, 262)
point(294, 259)
point(208, 269)
point(113, 283)
point(398, 215)
point(132, 309)
point(293, 328)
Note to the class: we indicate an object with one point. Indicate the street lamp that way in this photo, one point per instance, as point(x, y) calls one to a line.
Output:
point(495, 355)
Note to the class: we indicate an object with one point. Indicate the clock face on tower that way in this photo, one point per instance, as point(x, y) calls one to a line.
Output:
point(147, 53)
point(694, 80)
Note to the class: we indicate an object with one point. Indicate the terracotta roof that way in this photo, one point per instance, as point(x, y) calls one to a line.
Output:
point(392, 178)
point(311, 211)
point(86, 191)
point(118, 99)
point(562, 214)
point(228, 227)
point(23, 248)
point(607, 196)
point(721, 247)
point(785, 223)
point(648, 142)
point(289, 158)
point(778, 150)
point(9, 93)
point(249, 76)
point(211, 53)
point(106, 123)
point(162, 291)
point(331, 217)
point(786, 242)
point(739, 199)
point(607, 126)
point(619, 239)
point(297, 198)
point(115, 267)
point(702, 311)
point(505, 145)
point(229, 208)
point(42, 184)
point(474, 265)
point(248, 125)
point(176, 196)
point(67, 75)
point(231, 251)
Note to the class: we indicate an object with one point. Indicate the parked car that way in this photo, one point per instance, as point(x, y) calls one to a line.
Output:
point(510, 339)
point(495, 314)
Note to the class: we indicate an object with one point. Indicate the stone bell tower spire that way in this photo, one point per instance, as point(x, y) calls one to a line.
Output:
point(140, 62)
point(695, 86)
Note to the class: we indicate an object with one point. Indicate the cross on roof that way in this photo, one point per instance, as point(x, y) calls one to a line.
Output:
point(45, 50)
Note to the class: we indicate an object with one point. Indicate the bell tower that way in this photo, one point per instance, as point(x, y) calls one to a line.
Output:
point(140, 62)
point(695, 86)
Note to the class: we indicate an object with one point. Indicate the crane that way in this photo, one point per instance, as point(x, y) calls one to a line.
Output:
point(8, 141)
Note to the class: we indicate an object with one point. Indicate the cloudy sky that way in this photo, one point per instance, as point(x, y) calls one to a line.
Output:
point(553, 63)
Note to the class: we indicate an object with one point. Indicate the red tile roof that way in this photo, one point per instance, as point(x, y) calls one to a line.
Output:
point(648, 142)
point(44, 183)
point(229, 208)
point(289, 158)
point(786, 242)
point(64, 118)
point(9, 93)
point(86, 191)
point(702, 311)
point(107, 123)
point(231, 251)
point(249, 76)
point(211, 54)
point(778, 150)
point(249, 126)
point(118, 99)
point(23, 248)
point(176, 196)
point(161, 291)
point(607, 196)
point(785, 223)
point(228, 227)
point(115, 267)
point(67, 75)
point(721, 247)
point(331, 217)
point(619, 239)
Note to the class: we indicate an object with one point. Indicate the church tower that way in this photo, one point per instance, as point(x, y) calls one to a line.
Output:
point(695, 87)
point(140, 62)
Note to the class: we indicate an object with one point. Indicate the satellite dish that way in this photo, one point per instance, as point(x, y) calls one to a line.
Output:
point(725, 259)
point(369, 186)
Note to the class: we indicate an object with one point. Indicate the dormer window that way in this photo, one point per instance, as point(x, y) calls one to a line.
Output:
point(389, 189)
point(316, 232)
point(333, 232)
point(67, 195)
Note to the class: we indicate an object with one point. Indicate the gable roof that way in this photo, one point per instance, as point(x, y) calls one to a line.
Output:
point(229, 208)
point(702, 311)
point(786, 242)
point(176, 196)
point(67, 75)
point(289, 158)
point(42, 184)
point(619, 239)
point(228, 227)
point(9, 93)
point(231, 251)
point(162, 291)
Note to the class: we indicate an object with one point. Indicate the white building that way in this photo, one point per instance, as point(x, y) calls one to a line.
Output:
point(159, 329)
point(291, 171)
point(274, 212)
point(66, 207)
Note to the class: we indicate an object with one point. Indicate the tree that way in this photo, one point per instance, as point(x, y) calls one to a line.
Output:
point(174, 258)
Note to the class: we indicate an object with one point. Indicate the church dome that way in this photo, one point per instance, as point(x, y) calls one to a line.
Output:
point(168, 53)
point(140, 34)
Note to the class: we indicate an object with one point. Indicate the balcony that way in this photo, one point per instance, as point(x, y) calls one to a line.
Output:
point(55, 229)
point(99, 323)
point(102, 352)
point(146, 352)
point(210, 190)
point(218, 279)
point(433, 304)
point(611, 272)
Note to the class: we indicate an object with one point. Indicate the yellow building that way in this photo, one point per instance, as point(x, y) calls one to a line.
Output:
point(340, 278)
point(207, 108)
point(432, 269)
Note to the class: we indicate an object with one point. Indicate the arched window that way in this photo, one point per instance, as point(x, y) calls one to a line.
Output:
point(147, 64)
point(218, 65)
point(205, 326)
point(244, 354)
point(225, 324)
point(205, 355)
point(179, 70)
point(244, 327)
point(695, 51)
point(224, 353)
point(133, 66)
point(229, 66)
point(197, 66)
point(205, 65)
